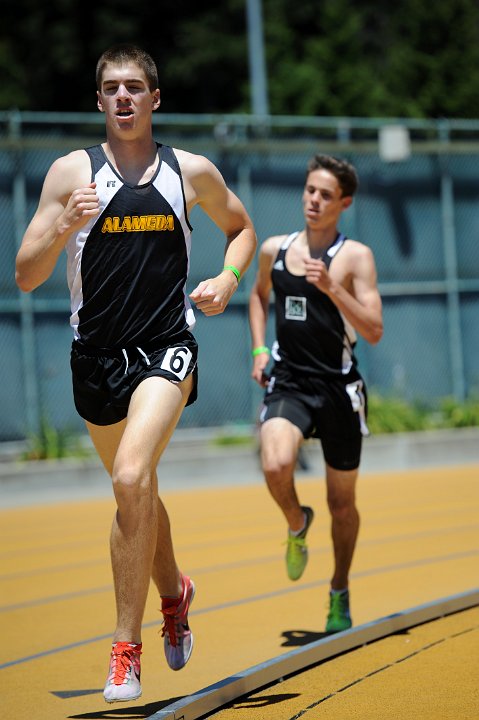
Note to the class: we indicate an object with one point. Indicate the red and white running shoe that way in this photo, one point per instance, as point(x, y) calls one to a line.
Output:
point(123, 682)
point(178, 638)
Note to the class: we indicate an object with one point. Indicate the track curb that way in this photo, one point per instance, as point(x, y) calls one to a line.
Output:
point(215, 696)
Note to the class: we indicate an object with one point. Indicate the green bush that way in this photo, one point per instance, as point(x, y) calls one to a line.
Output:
point(53, 444)
point(386, 415)
point(458, 415)
point(393, 415)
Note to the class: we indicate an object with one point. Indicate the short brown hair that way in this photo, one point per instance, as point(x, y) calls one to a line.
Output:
point(122, 54)
point(343, 171)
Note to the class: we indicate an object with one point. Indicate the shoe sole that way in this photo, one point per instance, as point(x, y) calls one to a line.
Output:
point(337, 630)
point(126, 699)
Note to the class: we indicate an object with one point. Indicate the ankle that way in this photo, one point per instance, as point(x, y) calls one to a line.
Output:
point(294, 533)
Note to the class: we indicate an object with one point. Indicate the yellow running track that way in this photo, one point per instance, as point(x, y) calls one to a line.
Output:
point(419, 541)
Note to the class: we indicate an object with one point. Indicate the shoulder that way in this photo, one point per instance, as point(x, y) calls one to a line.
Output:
point(202, 180)
point(271, 245)
point(66, 174)
point(355, 250)
point(356, 259)
point(268, 252)
point(76, 160)
point(72, 171)
point(193, 166)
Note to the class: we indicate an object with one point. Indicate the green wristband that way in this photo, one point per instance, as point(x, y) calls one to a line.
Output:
point(234, 270)
point(259, 350)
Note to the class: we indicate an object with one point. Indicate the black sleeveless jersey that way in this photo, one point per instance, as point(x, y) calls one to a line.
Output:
point(128, 266)
point(312, 336)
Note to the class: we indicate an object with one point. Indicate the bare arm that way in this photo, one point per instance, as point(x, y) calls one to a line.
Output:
point(259, 306)
point(67, 202)
point(361, 303)
point(204, 186)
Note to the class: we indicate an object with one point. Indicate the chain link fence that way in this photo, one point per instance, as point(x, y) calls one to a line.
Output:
point(417, 208)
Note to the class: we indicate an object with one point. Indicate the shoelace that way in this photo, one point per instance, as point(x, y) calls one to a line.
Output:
point(173, 614)
point(121, 662)
point(295, 541)
point(172, 624)
point(339, 600)
point(338, 603)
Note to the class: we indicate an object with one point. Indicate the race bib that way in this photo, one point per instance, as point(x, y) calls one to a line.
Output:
point(176, 361)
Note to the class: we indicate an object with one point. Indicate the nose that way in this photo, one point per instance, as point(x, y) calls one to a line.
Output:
point(122, 93)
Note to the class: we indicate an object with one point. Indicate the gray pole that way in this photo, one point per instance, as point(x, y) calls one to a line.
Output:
point(257, 65)
point(27, 316)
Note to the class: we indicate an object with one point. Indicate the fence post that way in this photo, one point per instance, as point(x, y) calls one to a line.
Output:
point(27, 320)
point(450, 258)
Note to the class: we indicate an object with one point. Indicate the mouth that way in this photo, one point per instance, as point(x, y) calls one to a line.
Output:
point(124, 113)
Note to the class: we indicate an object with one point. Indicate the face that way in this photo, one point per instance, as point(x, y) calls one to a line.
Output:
point(125, 97)
point(322, 200)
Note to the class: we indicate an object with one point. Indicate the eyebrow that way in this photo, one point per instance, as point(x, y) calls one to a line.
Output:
point(127, 80)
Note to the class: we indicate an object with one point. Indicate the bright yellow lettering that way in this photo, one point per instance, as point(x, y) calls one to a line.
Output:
point(107, 225)
point(138, 223)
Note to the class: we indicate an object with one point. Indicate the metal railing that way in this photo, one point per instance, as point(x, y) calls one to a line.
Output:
point(264, 159)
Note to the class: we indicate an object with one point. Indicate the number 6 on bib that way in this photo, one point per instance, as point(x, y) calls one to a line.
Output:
point(176, 361)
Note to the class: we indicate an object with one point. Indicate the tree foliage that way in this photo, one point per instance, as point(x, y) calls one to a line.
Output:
point(324, 57)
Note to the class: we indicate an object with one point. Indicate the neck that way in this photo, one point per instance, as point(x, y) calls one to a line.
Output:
point(134, 159)
point(136, 149)
point(319, 240)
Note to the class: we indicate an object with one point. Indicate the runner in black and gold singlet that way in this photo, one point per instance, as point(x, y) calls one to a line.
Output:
point(120, 209)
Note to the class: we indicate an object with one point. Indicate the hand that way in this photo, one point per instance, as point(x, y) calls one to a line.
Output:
point(83, 204)
point(317, 274)
point(213, 295)
point(259, 366)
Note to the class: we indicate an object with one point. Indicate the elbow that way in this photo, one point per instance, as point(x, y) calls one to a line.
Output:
point(23, 284)
point(375, 334)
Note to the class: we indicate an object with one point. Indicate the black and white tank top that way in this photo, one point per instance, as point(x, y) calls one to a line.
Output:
point(312, 336)
point(128, 266)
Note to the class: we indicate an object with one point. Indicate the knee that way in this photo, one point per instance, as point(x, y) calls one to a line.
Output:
point(342, 507)
point(280, 442)
point(277, 465)
point(130, 482)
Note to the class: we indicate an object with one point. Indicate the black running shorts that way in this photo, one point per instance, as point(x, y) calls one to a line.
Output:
point(104, 379)
point(332, 410)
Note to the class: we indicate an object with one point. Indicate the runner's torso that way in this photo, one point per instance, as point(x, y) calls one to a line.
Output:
point(313, 338)
point(127, 268)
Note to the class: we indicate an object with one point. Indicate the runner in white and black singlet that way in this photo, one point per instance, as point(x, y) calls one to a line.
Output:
point(313, 338)
point(325, 292)
point(127, 272)
point(121, 209)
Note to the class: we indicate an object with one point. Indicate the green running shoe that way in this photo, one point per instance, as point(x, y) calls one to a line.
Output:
point(297, 550)
point(339, 617)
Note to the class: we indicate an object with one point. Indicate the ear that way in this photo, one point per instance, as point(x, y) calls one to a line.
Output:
point(99, 103)
point(347, 201)
point(156, 100)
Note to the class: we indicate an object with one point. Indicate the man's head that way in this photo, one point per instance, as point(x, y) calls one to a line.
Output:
point(123, 55)
point(343, 171)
